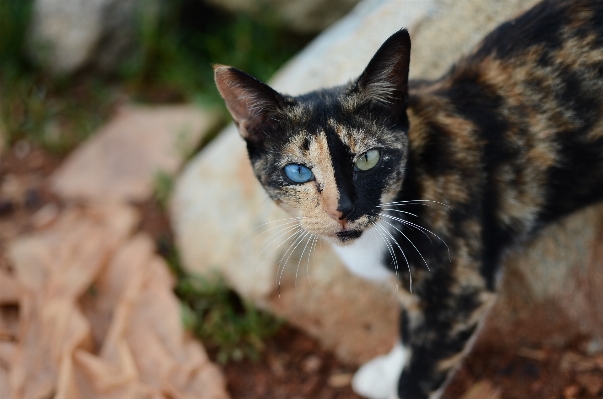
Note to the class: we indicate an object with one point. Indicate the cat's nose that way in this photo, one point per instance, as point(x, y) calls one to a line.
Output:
point(344, 208)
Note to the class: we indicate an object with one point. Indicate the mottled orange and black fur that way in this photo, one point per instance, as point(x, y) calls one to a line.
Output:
point(511, 139)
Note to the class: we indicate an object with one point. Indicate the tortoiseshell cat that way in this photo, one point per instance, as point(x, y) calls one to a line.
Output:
point(510, 139)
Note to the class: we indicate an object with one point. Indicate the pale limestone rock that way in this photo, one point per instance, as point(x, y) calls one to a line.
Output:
point(123, 159)
point(554, 286)
point(67, 35)
point(218, 201)
point(308, 16)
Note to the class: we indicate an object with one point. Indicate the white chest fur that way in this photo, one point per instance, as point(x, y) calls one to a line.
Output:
point(364, 256)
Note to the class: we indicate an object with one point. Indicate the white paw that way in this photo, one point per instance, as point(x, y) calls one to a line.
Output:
point(378, 379)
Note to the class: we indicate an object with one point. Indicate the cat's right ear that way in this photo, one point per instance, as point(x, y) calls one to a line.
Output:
point(249, 101)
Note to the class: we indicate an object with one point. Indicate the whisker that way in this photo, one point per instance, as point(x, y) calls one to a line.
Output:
point(295, 244)
point(392, 252)
point(411, 224)
point(274, 227)
point(302, 256)
point(397, 210)
point(411, 243)
point(308, 263)
point(389, 247)
point(403, 254)
point(298, 235)
point(295, 229)
point(397, 244)
point(415, 201)
point(293, 238)
point(264, 224)
point(282, 231)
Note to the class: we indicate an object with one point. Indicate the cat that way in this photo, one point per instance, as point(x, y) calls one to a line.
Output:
point(434, 181)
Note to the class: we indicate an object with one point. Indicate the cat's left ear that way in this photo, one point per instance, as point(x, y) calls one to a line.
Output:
point(385, 79)
point(249, 101)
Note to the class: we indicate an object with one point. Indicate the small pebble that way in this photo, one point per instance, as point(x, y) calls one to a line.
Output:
point(571, 392)
point(340, 380)
point(312, 364)
point(594, 346)
point(277, 366)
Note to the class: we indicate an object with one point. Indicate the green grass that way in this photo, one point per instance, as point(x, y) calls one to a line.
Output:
point(178, 45)
point(54, 113)
point(224, 322)
point(163, 186)
point(232, 327)
point(171, 62)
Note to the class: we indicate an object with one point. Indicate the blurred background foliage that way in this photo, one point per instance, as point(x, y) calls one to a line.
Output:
point(171, 62)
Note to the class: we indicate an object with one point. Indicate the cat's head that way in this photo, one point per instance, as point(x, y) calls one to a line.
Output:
point(333, 156)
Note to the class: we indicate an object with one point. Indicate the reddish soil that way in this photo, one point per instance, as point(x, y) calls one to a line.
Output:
point(293, 365)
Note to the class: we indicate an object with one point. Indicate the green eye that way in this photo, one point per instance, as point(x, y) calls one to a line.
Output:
point(368, 160)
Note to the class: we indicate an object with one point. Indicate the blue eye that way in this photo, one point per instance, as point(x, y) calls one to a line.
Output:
point(298, 173)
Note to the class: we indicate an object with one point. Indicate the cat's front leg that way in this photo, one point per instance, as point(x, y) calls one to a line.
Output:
point(378, 379)
point(438, 324)
point(439, 331)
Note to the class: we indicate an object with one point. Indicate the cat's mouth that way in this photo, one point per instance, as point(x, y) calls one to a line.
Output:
point(348, 235)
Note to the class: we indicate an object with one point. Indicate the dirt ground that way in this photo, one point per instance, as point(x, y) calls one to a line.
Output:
point(293, 365)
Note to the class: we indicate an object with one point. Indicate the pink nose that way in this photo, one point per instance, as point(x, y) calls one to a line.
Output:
point(335, 214)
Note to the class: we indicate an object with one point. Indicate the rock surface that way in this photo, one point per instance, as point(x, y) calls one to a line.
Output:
point(123, 159)
point(69, 34)
point(308, 16)
point(219, 210)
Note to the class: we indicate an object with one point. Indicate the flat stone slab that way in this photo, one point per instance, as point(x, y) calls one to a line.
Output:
point(121, 161)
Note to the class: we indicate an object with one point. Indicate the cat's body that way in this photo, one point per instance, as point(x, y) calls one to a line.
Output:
point(509, 140)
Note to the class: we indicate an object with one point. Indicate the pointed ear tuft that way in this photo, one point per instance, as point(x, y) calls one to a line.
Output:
point(385, 79)
point(249, 101)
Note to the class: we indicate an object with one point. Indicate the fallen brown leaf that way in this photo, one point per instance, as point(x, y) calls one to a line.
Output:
point(98, 319)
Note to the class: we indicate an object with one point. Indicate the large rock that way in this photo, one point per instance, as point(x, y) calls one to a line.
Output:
point(219, 209)
point(308, 16)
point(123, 159)
point(69, 34)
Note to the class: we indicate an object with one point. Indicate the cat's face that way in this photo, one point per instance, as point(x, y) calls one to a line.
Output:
point(330, 157)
